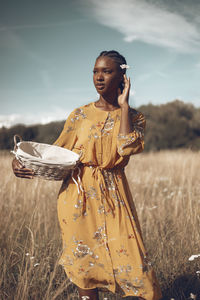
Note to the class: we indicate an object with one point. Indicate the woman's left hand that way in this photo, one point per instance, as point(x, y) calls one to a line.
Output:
point(123, 96)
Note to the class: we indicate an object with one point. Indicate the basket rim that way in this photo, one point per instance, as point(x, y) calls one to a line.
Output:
point(25, 156)
point(47, 163)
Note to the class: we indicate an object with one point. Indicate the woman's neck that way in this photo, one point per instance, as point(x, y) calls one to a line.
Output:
point(107, 103)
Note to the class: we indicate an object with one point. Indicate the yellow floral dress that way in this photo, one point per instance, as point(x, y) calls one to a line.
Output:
point(102, 240)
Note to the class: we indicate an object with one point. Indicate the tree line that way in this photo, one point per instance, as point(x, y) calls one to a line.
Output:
point(169, 126)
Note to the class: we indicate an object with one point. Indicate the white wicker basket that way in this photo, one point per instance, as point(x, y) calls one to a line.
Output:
point(47, 161)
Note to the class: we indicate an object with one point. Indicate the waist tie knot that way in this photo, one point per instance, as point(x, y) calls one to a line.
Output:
point(98, 174)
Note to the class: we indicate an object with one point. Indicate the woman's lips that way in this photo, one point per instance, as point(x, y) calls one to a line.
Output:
point(100, 85)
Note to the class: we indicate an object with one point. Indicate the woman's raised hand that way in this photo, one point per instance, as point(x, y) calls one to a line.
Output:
point(21, 171)
point(123, 96)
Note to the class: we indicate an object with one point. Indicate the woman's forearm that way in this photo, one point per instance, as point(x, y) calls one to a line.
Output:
point(125, 123)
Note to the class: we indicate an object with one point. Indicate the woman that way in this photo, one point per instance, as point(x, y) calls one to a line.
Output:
point(102, 240)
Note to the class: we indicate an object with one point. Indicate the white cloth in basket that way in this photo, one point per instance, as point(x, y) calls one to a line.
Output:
point(45, 154)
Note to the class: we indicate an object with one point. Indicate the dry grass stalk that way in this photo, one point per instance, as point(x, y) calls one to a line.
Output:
point(165, 188)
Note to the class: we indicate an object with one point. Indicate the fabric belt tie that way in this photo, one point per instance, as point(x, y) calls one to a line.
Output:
point(78, 182)
point(97, 173)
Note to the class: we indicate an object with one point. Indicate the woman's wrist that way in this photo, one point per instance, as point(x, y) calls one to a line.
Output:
point(125, 107)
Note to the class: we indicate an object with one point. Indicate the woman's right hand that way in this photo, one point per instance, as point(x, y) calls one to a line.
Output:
point(20, 171)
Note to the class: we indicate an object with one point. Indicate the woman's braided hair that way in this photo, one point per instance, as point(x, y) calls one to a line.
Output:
point(117, 57)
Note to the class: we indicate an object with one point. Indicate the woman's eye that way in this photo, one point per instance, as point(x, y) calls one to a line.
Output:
point(107, 71)
point(94, 72)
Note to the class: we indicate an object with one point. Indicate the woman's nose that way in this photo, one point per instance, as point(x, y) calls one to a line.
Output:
point(100, 77)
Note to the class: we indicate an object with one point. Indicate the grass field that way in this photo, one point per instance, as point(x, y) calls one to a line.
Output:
point(166, 190)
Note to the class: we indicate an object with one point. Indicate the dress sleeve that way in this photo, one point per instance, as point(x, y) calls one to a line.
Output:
point(68, 135)
point(133, 142)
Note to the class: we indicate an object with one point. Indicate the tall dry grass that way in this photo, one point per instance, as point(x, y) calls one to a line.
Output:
point(165, 188)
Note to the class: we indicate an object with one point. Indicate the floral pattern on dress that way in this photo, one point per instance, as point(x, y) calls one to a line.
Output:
point(100, 235)
point(92, 193)
point(100, 229)
point(108, 126)
point(131, 285)
point(122, 251)
point(81, 249)
point(127, 140)
point(136, 137)
point(77, 115)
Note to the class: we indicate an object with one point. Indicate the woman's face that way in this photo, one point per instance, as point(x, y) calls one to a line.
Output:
point(107, 76)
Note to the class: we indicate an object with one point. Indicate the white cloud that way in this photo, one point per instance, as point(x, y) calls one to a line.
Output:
point(57, 114)
point(148, 22)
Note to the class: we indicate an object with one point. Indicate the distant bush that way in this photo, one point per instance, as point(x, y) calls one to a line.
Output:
point(47, 133)
point(169, 126)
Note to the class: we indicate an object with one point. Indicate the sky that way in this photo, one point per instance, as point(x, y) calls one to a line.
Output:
point(48, 49)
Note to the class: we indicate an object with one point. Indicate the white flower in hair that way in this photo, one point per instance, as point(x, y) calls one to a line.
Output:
point(124, 66)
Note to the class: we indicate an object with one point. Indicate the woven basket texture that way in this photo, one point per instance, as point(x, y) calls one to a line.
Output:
point(47, 161)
